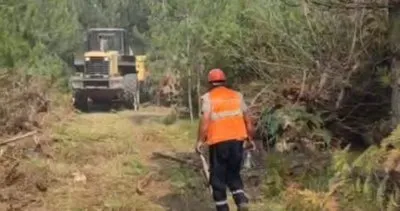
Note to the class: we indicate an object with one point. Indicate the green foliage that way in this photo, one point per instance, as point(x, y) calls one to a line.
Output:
point(272, 124)
point(127, 14)
point(185, 33)
point(275, 123)
point(269, 38)
point(370, 176)
point(277, 169)
point(41, 37)
point(352, 180)
point(37, 27)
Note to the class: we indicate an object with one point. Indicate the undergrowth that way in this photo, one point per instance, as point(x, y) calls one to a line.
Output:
point(24, 100)
point(349, 181)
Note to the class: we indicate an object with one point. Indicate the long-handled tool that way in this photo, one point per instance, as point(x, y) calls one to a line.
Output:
point(206, 171)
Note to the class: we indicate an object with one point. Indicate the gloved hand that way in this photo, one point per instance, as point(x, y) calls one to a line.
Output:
point(250, 145)
point(199, 146)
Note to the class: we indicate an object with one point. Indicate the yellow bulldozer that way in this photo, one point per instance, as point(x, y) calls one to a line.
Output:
point(107, 73)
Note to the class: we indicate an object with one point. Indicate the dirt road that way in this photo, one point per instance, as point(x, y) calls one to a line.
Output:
point(95, 161)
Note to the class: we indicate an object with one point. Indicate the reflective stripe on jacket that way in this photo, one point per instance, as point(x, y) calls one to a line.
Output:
point(226, 109)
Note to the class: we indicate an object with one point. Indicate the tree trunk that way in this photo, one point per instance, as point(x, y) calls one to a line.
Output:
point(198, 86)
point(395, 69)
point(189, 78)
point(189, 66)
point(394, 39)
point(190, 94)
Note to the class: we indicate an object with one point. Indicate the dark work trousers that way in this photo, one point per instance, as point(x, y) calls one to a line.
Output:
point(225, 165)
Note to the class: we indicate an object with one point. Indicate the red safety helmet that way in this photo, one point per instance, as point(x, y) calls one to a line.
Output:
point(216, 75)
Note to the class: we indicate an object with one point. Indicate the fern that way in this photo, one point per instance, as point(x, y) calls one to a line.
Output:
point(367, 187)
point(274, 124)
point(381, 192)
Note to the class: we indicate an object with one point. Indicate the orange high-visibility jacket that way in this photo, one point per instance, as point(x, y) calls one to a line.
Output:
point(226, 108)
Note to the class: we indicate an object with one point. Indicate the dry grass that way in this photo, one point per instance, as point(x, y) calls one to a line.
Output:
point(310, 200)
point(98, 158)
point(22, 99)
point(111, 152)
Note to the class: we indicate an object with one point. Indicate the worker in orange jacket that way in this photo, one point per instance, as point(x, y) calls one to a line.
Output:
point(225, 126)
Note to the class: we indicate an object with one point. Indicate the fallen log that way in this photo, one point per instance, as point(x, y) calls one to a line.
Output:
point(17, 138)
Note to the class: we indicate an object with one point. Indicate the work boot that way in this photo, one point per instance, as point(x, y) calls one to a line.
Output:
point(223, 208)
point(243, 207)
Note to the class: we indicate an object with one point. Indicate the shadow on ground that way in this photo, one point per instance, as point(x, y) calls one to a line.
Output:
point(189, 191)
point(102, 108)
point(189, 188)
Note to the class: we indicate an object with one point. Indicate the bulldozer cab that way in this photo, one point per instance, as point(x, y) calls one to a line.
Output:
point(107, 39)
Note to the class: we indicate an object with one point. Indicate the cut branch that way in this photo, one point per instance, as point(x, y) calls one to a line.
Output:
point(259, 94)
point(303, 85)
point(17, 138)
